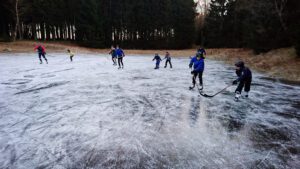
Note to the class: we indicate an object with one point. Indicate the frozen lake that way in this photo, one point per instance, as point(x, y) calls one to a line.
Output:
point(89, 114)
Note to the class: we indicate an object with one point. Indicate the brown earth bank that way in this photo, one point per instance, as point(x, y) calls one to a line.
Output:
point(279, 64)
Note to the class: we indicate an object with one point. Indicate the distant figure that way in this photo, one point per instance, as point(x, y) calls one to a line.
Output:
point(120, 55)
point(158, 60)
point(113, 54)
point(202, 52)
point(244, 78)
point(41, 52)
point(71, 55)
point(168, 60)
point(198, 62)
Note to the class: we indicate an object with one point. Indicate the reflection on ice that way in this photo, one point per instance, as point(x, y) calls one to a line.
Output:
point(88, 114)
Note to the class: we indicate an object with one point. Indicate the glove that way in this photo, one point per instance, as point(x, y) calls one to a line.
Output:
point(192, 72)
point(235, 82)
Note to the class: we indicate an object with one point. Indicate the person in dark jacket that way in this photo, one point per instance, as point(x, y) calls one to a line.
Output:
point(198, 63)
point(41, 52)
point(202, 52)
point(120, 55)
point(244, 79)
point(113, 54)
point(168, 60)
point(158, 60)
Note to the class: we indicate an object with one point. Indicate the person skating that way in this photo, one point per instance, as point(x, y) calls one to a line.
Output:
point(71, 55)
point(202, 52)
point(41, 52)
point(120, 55)
point(158, 60)
point(244, 79)
point(168, 60)
point(113, 54)
point(198, 63)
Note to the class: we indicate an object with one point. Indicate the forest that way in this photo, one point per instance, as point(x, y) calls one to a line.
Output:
point(155, 24)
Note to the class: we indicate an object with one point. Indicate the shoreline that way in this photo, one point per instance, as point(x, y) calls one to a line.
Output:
point(281, 64)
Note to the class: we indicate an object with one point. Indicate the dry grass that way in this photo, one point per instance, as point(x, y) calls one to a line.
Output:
point(281, 63)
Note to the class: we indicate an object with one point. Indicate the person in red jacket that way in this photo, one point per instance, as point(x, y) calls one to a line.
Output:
point(42, 52)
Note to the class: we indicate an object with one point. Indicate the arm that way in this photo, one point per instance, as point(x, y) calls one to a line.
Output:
point(123, 54)
point(241, 76)
point(191, 63)
point(44, 49)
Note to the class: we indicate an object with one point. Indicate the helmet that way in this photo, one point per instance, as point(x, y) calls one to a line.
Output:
point(239, 64)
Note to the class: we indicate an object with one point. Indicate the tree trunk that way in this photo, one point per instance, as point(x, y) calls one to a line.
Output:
point(15, 31)
point(280, 5)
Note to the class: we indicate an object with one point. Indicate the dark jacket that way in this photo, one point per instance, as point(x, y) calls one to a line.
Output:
point(244, 74)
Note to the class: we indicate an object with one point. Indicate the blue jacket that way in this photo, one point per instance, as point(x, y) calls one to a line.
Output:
point(119, 52)
point(198, 64)
point(244, 74)
point(157, 58)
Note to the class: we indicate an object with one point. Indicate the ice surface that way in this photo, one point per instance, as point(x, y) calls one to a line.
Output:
point(89, 114)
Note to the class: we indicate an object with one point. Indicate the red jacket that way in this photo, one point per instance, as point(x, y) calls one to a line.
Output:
point(40, 50)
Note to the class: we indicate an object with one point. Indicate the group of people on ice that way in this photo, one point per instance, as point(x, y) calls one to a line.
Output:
point(41, 50)
point(158, 60)
point(117, 53)
point(196, 63)
point(243, 73)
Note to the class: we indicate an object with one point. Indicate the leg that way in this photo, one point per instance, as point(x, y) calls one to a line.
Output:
point(44, 56)
point(40, 57)
point(119, 62)
point(170, 64)
point(194, 79)
point(71, 58)
point(200, 79)
point(240, 87)
point(166, 65)
point(122, 62)
point(115, 61)
point(247, 87)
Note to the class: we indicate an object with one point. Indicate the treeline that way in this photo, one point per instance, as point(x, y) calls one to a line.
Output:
point(100, 23)
point(261, 25)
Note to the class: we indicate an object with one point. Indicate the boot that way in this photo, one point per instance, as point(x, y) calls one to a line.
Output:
point(237, 96)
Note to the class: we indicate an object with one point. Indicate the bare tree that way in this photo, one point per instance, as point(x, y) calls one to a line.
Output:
point(17, 25)
point(280, 6)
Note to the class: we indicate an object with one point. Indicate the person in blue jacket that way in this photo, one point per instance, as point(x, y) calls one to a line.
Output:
point(120, 55)
point(244, 79)
point(158, 60)
point(198, 63)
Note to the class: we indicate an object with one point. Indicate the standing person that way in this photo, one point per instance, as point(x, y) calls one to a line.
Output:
point(168, 60)
point(120, 55)
point(71, 55)
point(244, 78)
point(42, 52)
point(158, 60)
point(202, 52)
point(113, 54)
point(198, 62)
